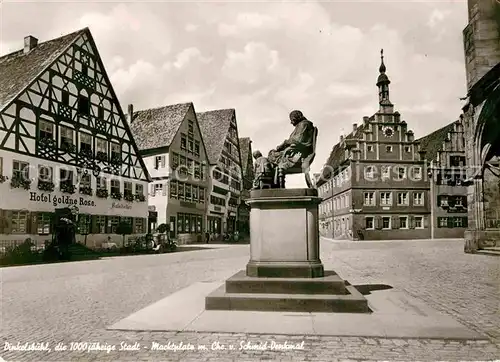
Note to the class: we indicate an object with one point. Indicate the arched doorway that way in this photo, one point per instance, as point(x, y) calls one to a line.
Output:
point(484, 165)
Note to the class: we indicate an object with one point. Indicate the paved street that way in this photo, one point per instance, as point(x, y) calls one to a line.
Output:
point(75, 302)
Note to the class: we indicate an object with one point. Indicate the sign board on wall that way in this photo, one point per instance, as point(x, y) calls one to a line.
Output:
point(42, 201)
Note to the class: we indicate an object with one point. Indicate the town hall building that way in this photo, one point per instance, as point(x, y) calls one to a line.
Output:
point(374, 185)
point(64, 141)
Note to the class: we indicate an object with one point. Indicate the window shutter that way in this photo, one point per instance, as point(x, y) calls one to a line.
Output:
point(165, 189)
point(8, 224)
point(32, 223)
point(439, 198)
point(464, 201)
point(395, 222)
point(94, 228)
point(425, 221)
point(411, 222)
point(152, 190)
point(465, 221)
point(378, 222)
point(163, 163)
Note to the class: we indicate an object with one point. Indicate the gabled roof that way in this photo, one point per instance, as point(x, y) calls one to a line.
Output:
point(245, 150)
point(433, 142)
point(337, 155)
point(157, 127)
point(214, 126)
point(18, 70)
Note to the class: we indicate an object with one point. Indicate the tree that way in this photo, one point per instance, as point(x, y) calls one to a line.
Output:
point(124, 228)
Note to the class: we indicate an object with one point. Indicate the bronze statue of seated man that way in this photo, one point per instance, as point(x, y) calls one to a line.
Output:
point(289, 155)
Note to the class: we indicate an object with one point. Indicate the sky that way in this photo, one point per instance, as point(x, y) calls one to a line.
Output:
point(265, 59)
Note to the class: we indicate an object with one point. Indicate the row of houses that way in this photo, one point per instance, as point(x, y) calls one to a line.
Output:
point(381, 183)
point(65, 140)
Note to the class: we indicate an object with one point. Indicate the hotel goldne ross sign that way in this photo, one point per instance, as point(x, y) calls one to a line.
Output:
point(66, 200)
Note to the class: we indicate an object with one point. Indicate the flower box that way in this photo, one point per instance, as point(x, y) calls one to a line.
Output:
point(86, 190)
point(140, 197)
point(3, 179)
point(102, 193)
point(128, 197)
point(116, 159)
point(67, 187)
point(68, 147)
point(47, 143)
point(101, 156)
point(46, 186)
point(20, 182)
point(116, 195)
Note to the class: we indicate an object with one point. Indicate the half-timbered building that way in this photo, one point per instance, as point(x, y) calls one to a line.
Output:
point(220, 133)
point(64, 141)
point(172, 147)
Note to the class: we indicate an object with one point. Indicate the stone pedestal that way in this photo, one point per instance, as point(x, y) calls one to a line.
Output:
point(285, 272)
point(284, 234)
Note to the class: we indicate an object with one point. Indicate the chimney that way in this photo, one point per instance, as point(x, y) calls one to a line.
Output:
point(341, 138)
point(30, 42)
point(366, 119)
point(354, 127)
point(130, 113)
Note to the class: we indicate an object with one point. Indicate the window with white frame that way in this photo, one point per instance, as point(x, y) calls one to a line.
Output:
point(46, 130)
point(369, 198)
point(386, 222)
point(66, 136)
point(407, 149)
point(101, 183)
point(369, 148)
point(443, 221)
point(388, 149)
point(158, 189)
point(416, 173)
point(403, 222)
point(19, 222)
point(45, 173)
point(458, 201)
point(20, 170)
point(419, 222)
point(443, 200)
point(85, 181)
point(370, 172)
point(386, 198)
point(43, 224)
point(402, 198)
point(369, 223)
point(85, 142)
point(101, 145)
point(458, 222)
point(418, 198)
point(386, 172)
point(139, 189)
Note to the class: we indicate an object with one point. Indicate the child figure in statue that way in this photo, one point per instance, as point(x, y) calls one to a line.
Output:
point(263, 172)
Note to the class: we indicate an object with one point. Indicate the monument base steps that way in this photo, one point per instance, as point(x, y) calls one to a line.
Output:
point(328, 294)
